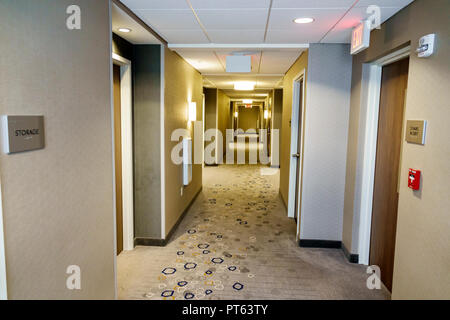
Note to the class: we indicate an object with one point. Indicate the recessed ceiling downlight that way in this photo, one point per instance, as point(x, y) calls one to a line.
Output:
point(126, 30)
point(303, 20)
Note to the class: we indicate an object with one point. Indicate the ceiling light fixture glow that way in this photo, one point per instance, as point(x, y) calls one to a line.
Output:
point(303, 20)
point(244, 85)
point(126, 30)
point(247, 101)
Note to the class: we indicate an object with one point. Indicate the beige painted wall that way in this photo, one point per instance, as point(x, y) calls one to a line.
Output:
point(248, 118)
point(58, 201)
point(277, 108)
point(223, 120)
point(285, 135)
point(422, 256)
point(182, 85)
point(210, 107)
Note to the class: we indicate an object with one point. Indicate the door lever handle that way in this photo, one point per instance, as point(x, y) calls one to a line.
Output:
point(297, 155)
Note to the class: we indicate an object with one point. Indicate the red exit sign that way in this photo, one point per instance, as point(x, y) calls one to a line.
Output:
point(360, 37)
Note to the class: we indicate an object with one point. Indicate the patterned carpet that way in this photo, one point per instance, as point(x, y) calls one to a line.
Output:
point(236, 242)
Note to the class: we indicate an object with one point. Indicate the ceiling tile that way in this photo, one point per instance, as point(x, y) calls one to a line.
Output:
point(228, 4)
point(312, 3)
point(169, 19)
point(295, 36)
point(233, 19)
point(267, 82)
point(221, 82)
point(203, 61)
point(284, 18)
point(282, 29)
point(242, 21)
point(146, 4)
point(384, 3)
point(236, 36)
point(338, 36)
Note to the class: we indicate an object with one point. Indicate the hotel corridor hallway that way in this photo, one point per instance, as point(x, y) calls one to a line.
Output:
point(236, 242)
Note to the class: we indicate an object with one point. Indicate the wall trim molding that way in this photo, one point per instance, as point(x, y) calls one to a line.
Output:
point(316, 243)
point(351, 257)
point(149, 242)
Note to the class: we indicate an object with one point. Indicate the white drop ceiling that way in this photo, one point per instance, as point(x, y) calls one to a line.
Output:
point(186, 23)
point(138, 34)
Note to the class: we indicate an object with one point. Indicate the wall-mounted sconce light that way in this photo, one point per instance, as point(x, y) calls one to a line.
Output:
point(192, 111)
point(236, 114)
point(266, 114)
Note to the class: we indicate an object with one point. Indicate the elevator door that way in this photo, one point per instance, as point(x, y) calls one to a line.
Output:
point(385, 197)
point(118, 157)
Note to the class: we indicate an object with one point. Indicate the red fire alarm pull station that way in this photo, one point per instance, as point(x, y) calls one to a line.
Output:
point(414, 179)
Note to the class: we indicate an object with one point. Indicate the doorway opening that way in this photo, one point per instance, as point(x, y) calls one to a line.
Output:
point(296, 160)
point(383, 95)
point(123, 152)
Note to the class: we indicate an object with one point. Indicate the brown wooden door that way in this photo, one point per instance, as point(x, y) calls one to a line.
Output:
point(118, 157)
point(385, 195)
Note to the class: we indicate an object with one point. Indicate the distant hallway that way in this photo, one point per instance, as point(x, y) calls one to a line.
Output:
point(237, 243)
point(250, 146)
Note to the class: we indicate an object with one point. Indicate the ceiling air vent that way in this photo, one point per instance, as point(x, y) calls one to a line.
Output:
point(239, 63)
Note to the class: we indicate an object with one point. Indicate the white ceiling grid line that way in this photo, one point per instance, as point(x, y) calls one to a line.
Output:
point(268, 19)
point(340, 19)
point(198, 21)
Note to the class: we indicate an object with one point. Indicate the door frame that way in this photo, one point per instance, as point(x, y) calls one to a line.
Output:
point(297, 111)
point(203, 128)
point(127, 150)
point(3, 284)
point(370, 102)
